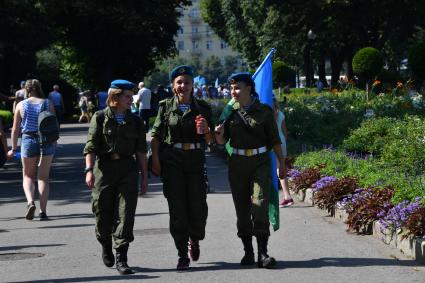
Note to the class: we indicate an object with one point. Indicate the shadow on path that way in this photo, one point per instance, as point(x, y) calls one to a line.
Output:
point(93, 279)
point(12, 248)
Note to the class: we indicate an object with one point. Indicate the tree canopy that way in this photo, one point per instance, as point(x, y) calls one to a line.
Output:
point(340, 27)
point(97, 40)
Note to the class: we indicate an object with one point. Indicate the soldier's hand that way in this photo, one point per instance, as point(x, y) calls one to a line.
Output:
point(156, 166)
point(90, 179)
point(144, 187)
point(219, 134)
point(282, 173)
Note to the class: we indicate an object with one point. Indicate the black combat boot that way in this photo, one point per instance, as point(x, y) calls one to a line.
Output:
point(121, 265)
point(107, 254)
point(248, 258)
point(264, 260)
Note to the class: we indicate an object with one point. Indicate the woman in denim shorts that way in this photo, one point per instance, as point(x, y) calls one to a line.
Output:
point(36, 159)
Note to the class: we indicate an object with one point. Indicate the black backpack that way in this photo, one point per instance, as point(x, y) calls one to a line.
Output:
point(48, 127)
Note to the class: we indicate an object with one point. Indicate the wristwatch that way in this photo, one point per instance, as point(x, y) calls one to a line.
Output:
point(88, 169)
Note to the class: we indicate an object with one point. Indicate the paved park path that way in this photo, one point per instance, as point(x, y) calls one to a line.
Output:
point(309, 247)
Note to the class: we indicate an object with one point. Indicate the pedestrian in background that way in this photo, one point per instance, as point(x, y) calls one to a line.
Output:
point(144, 100)
point(84, 108)
point(252, 132)
point(36, 158)
point(56, 97)
point(101, 99)
point(20, 95)
point(179, 135)
point(115, 137)
point(283, 135)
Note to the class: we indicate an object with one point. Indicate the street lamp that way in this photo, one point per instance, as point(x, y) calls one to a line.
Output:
point(310, 72)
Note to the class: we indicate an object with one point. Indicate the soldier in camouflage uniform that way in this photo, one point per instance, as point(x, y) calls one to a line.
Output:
point(115, 137)
point(181, 129)
point(252, 132)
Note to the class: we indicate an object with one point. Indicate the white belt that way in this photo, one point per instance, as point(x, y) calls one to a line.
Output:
point(249, 152)
point(187, 146)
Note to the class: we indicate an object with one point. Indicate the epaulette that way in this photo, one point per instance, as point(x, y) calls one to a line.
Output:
point(163, 102)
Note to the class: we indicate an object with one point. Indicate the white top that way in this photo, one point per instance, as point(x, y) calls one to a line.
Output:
point(144, 98)
point(279, 120)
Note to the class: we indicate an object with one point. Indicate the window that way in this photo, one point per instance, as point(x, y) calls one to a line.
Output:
point(180, 30)
point(209, 44)
point(180, 45)
point(194, 44)
point(223, 45)
point(194, 13)
point(208, 31)
point(194, 29)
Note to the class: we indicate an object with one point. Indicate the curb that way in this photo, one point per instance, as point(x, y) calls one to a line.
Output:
point(411, 247)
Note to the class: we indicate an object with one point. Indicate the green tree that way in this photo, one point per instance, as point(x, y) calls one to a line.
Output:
point(111, 39)
point(212, 69)
point(417, 60)
point(344, 26)
point(367, 63)
point(24, 29)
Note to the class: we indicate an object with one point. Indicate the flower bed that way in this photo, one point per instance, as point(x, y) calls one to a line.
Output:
point(402, 225)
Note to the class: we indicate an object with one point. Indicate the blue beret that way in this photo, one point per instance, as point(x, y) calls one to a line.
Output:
point(241, 77)
point(122, 84)
point(181, 70)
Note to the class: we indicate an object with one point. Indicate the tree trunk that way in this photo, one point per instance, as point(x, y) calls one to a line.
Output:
point(336, 66)
point(307, 59)
point(322, 71)
point(349, 63)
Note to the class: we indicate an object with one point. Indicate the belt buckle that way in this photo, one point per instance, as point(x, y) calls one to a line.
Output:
point(115, 156)
point(186, 146)
point(248, 152)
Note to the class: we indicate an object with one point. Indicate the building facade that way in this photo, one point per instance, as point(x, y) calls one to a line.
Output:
point(195, 38)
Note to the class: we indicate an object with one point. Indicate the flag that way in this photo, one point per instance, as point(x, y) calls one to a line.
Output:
point(216, 83)
point(263, 79)
point(199, 81)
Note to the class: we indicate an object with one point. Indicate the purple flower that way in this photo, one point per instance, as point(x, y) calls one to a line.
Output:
point(323, 182)
point(397, 216)
point(294, 173)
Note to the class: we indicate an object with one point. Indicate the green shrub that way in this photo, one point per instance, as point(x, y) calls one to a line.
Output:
point(371, 136)
point(406, 149)
point(368, 62)
point(283, 74)
point(416, 59)
point(6, 116)
point(389, 78)
point(370, 172)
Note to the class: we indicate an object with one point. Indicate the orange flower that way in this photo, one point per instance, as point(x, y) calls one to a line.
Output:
point(334, 90)
point(376, 82)
point(399, 85)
